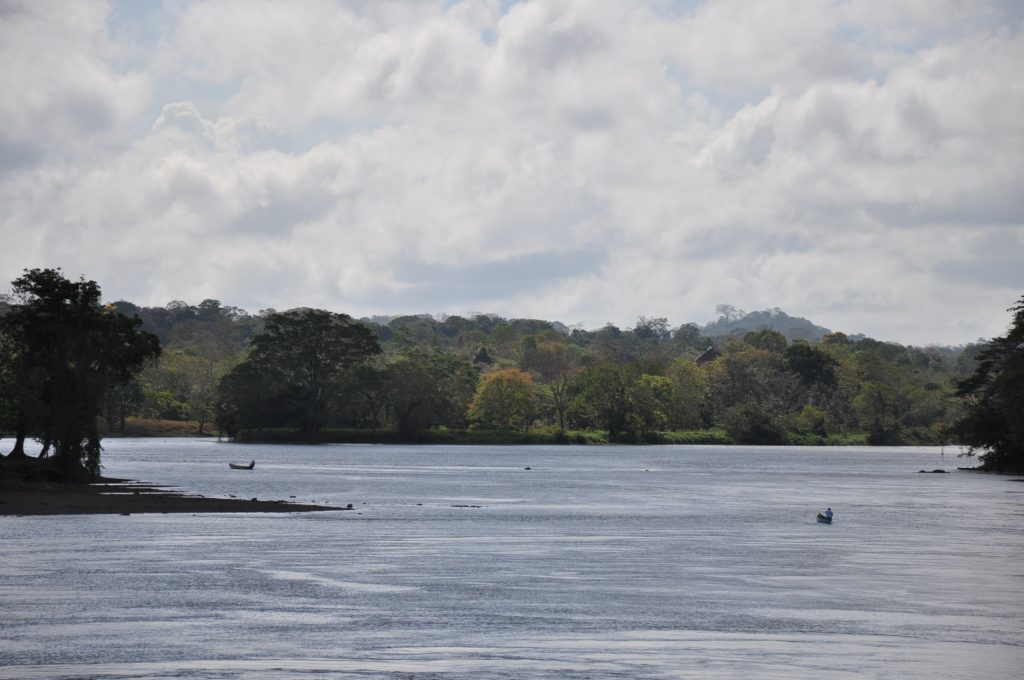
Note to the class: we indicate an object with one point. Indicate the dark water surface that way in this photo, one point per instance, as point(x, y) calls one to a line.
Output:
point(457, 562)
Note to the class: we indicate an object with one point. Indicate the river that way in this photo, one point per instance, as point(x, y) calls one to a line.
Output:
point(527, 562)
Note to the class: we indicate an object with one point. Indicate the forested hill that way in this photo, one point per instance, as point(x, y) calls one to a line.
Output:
point(180, 323)
point(737, 322)
point(768, 377)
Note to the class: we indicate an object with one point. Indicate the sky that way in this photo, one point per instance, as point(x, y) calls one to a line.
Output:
point(859, 163)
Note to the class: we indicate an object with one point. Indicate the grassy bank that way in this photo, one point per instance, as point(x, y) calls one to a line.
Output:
point(475, 436)
point(438, 436)
point(138, 427)
point(553, 436)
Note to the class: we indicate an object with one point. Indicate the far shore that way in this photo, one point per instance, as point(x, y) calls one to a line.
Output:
point(141, 427)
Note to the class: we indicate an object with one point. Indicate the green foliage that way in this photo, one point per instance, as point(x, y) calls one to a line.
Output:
point(689, 394)
point(994, 418)
point(746, 423)
point(768, 340)
point(602, 398)
point(69, 352)
point(505, 400)
point(813, 366)
point(301, 370)
point(879, 407)
point(650, 402)
point(162, 405)
point(555, 362)
point(428, 388)
point(749, 375)
point(770, 376)
point(812, 420)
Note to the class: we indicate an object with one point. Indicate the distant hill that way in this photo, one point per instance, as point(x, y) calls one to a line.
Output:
point(737, 322)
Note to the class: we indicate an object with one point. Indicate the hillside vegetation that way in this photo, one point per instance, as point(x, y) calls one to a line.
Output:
point(313, 375)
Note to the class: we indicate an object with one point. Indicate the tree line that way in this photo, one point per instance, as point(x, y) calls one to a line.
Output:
point(310, 372)
point(418, 373)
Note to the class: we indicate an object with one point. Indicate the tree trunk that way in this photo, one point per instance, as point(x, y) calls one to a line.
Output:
point(47, 442)
point(19, 441)
point(92, 452)
point(70, 453)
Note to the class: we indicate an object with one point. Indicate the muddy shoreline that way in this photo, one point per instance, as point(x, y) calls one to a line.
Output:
point(123, 497)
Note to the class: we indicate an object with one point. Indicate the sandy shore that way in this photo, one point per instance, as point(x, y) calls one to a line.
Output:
point(120, 497)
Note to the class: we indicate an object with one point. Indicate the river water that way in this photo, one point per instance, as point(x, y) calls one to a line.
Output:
point(459, 562)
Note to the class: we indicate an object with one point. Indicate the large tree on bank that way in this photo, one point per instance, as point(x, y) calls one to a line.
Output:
point(300, 371)
point(69, 351)
point(994, 421)
point(428, 388)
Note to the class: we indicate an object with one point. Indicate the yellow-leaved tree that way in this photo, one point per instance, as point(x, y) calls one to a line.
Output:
point(505, 400)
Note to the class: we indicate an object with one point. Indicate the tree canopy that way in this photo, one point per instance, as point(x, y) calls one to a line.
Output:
point(300, 371)
point(66, 353)
point(994, 418)
point(505, 400)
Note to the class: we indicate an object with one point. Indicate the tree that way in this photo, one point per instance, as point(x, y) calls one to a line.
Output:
point(880, 408)
point(766, 339)
point(307, 357)
point(555, 363)
point(505, 400)
point(648, 328)
point(689, 391)
point(749, 423)
point(994, 418)
point(426, 388)
point(612, 344)
point(688, 340)
point(77, 350)
point(812, 365)
point(747, 374)
point(251, 396)
point(602, 398)
point(20, 392)
point(650, 398)
point(316, 354)
point(123, 398)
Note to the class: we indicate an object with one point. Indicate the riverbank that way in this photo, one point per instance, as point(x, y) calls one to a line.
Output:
point(538, 436)
point(546, 435)
point(476, 437)
point(27, 487)
point(112, 497)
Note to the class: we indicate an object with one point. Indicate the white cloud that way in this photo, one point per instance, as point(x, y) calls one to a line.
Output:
point(60, 90)
point(857, 163)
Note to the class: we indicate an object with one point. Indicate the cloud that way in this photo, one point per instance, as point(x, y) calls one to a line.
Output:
point(61, 90)
point(856, 163)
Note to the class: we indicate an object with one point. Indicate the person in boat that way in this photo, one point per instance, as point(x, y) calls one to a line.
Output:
point(828, 514)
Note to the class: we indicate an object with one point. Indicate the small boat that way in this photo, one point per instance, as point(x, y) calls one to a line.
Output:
point(242, 466)
point(824, 520)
